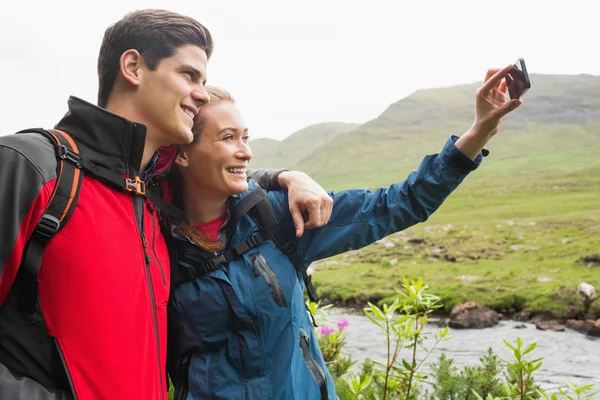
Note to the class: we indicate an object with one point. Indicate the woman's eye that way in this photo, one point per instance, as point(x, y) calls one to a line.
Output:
point(246, 138)
point(228, 137)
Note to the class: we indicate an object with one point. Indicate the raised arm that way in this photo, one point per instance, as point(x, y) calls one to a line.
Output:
point(360, 217)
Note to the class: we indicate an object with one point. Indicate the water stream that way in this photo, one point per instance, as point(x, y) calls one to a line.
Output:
point(568, 356)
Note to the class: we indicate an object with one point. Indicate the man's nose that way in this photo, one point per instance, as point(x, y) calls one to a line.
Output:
point(200, 96)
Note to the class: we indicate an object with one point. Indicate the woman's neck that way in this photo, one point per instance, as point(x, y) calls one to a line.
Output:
point(201, 208)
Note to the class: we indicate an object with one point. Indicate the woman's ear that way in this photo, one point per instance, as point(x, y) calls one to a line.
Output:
point(182, 159)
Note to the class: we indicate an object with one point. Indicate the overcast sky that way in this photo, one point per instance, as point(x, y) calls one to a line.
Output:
point(292, 64)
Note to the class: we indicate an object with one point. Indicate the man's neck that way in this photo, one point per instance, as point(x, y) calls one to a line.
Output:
point(200, 207)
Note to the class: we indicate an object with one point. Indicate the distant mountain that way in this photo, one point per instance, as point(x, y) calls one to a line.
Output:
point(280, 154)
point(557, 127)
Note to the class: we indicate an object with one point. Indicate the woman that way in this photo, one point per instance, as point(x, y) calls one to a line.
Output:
point(241, 330)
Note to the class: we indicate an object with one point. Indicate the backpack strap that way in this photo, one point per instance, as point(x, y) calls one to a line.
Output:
point(58, 211)
point(198, 266)
point(257, 205)
point(266, 218)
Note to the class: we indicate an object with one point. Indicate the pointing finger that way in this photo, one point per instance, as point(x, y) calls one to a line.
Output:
point(495, 79)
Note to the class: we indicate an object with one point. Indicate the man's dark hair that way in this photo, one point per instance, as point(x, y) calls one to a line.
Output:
point(155, 34)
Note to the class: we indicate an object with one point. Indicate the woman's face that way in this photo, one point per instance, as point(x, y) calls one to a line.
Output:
point(216, 162)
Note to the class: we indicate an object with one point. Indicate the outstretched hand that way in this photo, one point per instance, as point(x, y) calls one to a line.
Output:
point(490, 107)
point(491, 104)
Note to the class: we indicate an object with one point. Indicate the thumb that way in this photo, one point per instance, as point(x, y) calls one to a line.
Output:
point(297, 218)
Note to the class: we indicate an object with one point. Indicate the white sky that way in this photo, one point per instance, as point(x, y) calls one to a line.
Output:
point(292, 64)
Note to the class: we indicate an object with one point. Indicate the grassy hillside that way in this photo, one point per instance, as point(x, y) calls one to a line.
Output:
point(279, 154)
point(522, 231)
point(560, 114)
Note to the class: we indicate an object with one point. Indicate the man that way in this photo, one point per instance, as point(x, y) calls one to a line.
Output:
point(98, 329)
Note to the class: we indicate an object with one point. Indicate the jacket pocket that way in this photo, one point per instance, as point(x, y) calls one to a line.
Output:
point(312, 364)
point(262, 267)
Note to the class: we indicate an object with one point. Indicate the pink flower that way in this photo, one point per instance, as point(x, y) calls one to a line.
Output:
point(342, 323)
point(325, 330)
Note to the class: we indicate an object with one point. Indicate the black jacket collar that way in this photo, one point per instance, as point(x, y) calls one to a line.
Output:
point(104, 138)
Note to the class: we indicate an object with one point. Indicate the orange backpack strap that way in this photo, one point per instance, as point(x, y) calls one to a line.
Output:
point(69, 176)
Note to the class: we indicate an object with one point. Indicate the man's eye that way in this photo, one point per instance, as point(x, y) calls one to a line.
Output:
point(190, 74)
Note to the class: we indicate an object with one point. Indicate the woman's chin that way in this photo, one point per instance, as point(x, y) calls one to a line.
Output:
point(238, 188)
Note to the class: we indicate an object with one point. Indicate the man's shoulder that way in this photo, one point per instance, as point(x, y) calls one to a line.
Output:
point(29, 148)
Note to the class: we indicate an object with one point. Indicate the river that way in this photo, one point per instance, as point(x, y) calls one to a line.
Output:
point(568, 356)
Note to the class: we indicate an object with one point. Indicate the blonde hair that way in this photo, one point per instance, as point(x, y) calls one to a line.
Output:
point(216, 95)
point(197, 236)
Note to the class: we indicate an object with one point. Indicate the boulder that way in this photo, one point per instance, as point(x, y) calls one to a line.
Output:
point(587, 292)
point(580, 326)
point(588, 327)
point(523, 316)
point(595, 331)
point(472, 315)
point(549, 325)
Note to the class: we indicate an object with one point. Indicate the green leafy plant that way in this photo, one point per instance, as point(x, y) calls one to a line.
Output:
point(402, 324)
point(483, 379)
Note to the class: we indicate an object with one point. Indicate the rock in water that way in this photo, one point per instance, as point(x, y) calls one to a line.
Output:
point(523, 316)
point(472, 315)
point(548, 325)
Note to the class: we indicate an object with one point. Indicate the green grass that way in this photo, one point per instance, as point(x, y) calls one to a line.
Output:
point(505, 246)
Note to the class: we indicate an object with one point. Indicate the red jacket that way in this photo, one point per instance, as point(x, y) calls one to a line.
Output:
point(104, 278)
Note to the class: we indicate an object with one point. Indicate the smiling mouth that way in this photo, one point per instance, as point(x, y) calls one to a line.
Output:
point(236, 171)
point(189, 113)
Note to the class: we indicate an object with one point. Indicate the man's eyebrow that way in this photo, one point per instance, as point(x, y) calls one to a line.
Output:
point(196, 71)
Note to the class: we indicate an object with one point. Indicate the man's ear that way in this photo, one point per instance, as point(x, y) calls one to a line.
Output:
point(182, 159)
point(130, 66)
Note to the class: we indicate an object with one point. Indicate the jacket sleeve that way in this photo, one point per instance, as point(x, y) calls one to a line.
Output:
point(15, 388)
point(23, 197)
point(361, 217)
point(266, 178)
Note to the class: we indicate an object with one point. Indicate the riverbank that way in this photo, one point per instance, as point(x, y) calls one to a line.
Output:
point(507, 265)
point(568, 356)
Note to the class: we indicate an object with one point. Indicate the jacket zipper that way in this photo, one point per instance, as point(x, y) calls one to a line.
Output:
point(312, 364)
point(162, 272)
point(139, 206)
point(262, 267)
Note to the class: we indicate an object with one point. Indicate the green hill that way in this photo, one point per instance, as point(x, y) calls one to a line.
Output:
point(278, 154)
point(559, 119)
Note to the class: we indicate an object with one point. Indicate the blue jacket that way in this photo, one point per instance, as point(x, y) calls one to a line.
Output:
point(244, 325)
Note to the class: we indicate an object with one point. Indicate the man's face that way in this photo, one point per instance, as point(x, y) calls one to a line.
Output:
point(169, 97)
